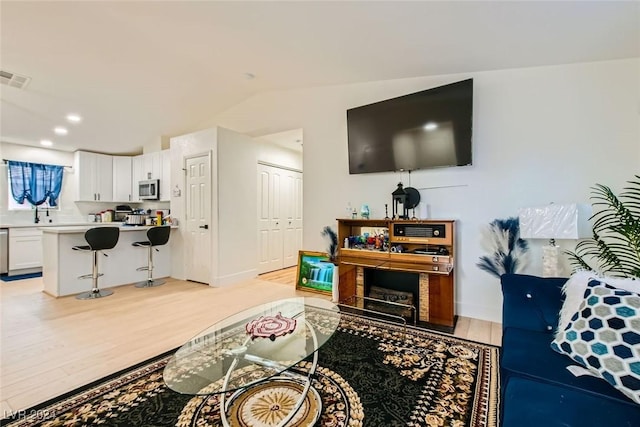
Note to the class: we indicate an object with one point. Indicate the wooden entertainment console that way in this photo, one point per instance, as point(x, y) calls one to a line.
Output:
point(423, 247)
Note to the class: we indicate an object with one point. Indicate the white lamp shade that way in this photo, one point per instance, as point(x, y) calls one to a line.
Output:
point(568, 221)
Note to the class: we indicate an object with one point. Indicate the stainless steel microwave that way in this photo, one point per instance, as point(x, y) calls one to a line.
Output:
point(149, 189)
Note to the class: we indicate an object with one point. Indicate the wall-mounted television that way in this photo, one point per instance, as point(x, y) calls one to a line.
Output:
point(422, 130)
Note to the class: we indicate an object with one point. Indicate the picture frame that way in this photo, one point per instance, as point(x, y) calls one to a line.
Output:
point(315, 272)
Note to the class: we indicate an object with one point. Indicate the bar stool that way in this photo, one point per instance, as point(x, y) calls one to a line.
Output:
point(99, 239)
point(157, 236)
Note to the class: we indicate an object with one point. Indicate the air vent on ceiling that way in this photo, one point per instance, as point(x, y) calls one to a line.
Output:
point(14, 80)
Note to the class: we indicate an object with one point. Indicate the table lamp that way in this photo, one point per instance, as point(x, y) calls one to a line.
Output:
point(554, 221)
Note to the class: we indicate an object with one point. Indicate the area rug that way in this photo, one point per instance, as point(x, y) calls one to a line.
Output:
point(371, 373)
point(7, 278)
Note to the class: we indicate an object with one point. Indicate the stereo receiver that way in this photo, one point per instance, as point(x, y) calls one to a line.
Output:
point(420, 232)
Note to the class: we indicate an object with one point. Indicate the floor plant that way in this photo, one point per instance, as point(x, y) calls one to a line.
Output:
point(614, 248)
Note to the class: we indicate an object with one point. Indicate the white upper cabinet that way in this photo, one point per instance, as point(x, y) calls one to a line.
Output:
point(122, 179)
point(150, 166)
point(104, 178)
point(94, 175)
point(136, 176)
point(165, 180)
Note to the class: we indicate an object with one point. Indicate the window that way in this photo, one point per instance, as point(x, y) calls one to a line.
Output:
point(34, 184)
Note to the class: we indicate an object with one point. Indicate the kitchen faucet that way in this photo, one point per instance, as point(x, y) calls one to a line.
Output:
point(35, 217)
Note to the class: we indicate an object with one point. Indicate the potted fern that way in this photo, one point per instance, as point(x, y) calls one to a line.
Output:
point(614, 248)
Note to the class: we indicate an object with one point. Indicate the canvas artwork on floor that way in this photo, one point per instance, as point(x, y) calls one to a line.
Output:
point(315, 272)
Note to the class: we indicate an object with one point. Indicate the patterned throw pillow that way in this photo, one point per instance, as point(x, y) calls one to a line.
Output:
point(604, 337)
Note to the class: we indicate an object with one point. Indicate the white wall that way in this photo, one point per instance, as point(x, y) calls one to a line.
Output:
point(237, 206)
point(540, 135)
point(233, 202)
point(193, 144)
point(280, 156)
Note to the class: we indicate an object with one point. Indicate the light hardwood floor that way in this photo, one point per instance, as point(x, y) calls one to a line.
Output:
point(50, 346)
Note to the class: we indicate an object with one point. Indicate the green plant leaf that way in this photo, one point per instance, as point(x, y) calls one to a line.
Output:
point(615, 245)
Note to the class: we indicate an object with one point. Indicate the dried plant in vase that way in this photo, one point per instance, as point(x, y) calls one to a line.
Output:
point(332, 249)
point(506, 249)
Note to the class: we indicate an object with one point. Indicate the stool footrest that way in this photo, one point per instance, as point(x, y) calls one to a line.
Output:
point(89, 276)
point(145, 268)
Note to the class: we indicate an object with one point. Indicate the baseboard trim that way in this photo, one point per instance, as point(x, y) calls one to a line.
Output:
point(232, 279)
point(492, 314)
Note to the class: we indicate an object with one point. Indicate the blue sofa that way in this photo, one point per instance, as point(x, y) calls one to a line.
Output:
point(536, 388)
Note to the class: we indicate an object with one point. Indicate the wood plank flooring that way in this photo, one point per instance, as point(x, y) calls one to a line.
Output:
point(50, 346)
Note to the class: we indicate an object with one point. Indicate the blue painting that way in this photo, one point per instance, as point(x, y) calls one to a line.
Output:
point(315, 272)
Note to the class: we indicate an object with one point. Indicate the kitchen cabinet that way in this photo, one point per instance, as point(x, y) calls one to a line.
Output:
point(148, 166)
point(151, 166)
point(25, 250)
point(94, 175)
point(165, 179)
point(122, 179)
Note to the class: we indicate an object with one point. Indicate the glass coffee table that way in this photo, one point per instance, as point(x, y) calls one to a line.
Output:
point(252, 355)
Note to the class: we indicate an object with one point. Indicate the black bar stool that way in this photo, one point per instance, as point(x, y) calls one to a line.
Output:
point(157, 236)
point(99, 239)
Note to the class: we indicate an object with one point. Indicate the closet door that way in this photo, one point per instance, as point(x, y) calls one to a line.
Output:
point(279, 218)
point(270, 223)
point(292, 201)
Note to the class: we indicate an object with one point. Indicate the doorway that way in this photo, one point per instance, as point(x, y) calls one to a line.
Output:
point(198, 218)
point(279, 217)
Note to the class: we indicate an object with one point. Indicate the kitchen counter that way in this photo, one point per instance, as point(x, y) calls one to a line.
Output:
point(47, 224)
point(62, 265)
point(64, 229)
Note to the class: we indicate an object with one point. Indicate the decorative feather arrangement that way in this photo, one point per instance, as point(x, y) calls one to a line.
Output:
point(506, 249)
point(332, 249)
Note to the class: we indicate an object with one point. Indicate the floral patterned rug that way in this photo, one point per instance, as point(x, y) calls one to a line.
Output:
point(370, 373)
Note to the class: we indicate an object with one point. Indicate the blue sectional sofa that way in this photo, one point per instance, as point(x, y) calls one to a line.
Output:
point(536, 388)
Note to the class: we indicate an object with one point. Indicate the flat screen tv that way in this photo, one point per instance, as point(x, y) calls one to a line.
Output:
point(422, 130)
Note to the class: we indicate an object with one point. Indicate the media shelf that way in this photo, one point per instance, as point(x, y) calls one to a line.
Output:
point(425, 248)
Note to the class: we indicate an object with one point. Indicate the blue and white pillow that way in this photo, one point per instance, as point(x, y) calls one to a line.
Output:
point(604, 337)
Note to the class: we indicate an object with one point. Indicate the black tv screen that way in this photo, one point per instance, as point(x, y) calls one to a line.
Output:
point(422, 130)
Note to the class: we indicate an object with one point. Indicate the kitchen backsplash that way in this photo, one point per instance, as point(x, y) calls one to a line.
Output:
point(78, 213)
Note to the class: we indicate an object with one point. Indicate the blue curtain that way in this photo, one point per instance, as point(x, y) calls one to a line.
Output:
point(35, 182)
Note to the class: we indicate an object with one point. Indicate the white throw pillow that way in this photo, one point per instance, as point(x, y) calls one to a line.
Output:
point(574, 293)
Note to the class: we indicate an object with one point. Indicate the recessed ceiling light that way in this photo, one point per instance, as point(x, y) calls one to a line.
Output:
point(46, 143)
point(430, 126)
point(74, 118)
point(59, 130)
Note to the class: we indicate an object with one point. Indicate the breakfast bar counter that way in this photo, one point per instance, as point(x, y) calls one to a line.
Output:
point(62, 265)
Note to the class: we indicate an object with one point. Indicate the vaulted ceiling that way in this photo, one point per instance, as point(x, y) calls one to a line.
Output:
point(136, 71)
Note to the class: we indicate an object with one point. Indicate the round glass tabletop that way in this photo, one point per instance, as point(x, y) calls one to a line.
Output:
point(252, 346)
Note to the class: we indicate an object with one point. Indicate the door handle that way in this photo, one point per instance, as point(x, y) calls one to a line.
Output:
point(206, 226)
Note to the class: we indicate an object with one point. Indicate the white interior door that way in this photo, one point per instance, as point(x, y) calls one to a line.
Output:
point(198, 216)
point(279, 217)
point(297, 220)
point(293, 221)
point(264, 218)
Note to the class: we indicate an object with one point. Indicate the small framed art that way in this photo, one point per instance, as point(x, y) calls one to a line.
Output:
point(315, 272)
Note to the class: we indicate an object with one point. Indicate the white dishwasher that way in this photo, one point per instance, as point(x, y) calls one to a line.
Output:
point(4, 250)
point(25, 250)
